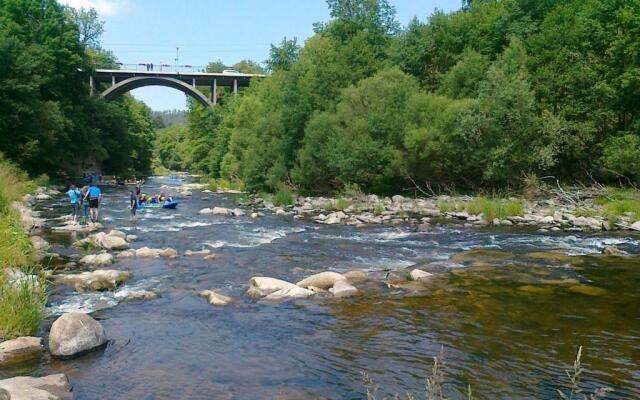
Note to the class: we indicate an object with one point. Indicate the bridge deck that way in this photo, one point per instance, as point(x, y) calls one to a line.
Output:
point(199, 78)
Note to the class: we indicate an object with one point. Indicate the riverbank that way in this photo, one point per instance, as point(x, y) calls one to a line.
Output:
point(594, 208)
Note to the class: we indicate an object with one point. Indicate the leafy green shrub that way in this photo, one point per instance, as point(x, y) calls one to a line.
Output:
point(341, 204)
point(226, 184)
point(352, 190)
point(283, 197)
point(22, 305)
point(378, 209)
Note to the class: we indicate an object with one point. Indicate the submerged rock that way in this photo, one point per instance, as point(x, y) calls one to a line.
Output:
point(613, 251)
point(355, 275)
point(587, 290)
point(102, 279)
point(260, 286)
point(20, 349)
point(51, 387)
point(323, 280)
point(215, 299)
point(75, 333)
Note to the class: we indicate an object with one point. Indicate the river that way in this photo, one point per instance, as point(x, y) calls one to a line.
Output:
point(509, 321)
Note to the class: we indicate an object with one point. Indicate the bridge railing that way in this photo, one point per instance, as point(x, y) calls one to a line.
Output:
point(153, 67)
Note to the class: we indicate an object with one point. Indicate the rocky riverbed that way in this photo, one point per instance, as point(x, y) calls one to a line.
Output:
point(231, 298)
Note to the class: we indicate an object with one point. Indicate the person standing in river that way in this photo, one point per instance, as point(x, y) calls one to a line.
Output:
point(94, 195)
point(74, 195)
point(133, 205)
point(84, 204)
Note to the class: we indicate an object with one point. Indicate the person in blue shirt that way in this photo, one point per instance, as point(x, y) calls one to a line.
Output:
point(74, 196)
point(94, 195)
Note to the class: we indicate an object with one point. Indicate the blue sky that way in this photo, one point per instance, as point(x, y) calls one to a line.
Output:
point(148, 31)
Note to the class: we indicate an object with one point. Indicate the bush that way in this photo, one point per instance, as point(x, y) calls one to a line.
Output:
point(22, 306)
point(352, 190)
point(226, 184)
point(283, 197)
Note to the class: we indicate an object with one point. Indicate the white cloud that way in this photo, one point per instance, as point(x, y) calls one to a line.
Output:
point(103, 7)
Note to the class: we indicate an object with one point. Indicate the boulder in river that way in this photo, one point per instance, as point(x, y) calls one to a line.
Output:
point(168, 253)
point(20, 349)
point(343, 288)
point(75, 333)
point(101, 279)
point(111, 242)
point(117, 233)
point(128, 294)
point(635, 226)
point(131, 238)
point(51, 387)
point(323, 280)
point(215, 299)
point(418, 274)
point(147, 252)
point(260, 286)
point(39, 244)
point(355, 275)
point(291, 292)
point(203, 252)
point(90, 227)
point(97, 259)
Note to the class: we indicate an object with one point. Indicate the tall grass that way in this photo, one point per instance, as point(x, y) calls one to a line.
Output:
point(225, 184)
point(620, 202)
point(22, 301)
point(22, 305)
point(495, 208)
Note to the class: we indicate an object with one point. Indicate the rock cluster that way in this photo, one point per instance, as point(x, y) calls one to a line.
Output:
point(324, 282)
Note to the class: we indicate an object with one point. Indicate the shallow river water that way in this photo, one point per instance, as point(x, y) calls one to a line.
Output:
point(509, 317)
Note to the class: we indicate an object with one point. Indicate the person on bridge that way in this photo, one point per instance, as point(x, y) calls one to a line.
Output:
point(94, 195)
point(74, 195)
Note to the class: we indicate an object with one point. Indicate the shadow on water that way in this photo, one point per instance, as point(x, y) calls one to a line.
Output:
point(510, 316)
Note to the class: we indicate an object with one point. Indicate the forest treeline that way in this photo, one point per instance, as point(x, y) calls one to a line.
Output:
point(48, 122)
point(485, 96)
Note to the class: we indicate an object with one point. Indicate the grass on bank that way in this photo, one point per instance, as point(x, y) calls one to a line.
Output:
point(225, 184)
point(22, 301)
point(620, 202)
point(489, 207)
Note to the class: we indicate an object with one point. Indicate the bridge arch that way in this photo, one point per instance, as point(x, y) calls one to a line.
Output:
point(136, 82)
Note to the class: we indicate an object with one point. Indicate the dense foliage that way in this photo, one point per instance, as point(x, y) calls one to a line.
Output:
point(48, 122)
point(482, 96)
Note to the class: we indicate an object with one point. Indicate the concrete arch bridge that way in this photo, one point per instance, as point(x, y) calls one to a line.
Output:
point(120, 81)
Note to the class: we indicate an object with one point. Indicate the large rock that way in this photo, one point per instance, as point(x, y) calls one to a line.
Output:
point(323, 280)
point(168, 253)
point(343, 288)
point(101, 279)
point(292, 292)
point(20, 349)
point(127, 294)
point(51, 387)
point(111, 242)
point(117, 233)
point(216, 211)
point(147, 252)
point(131, 238)
point(635, 226)
point(75, 333)
point(355, 275)
point(215, 299)
point(97, 259)
point(260, 286)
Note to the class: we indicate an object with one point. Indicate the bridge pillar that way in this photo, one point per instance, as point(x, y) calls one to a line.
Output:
point(91, 85)
point(193, 83)
point(235, 87)
point(214, 92)
point(113, 81)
